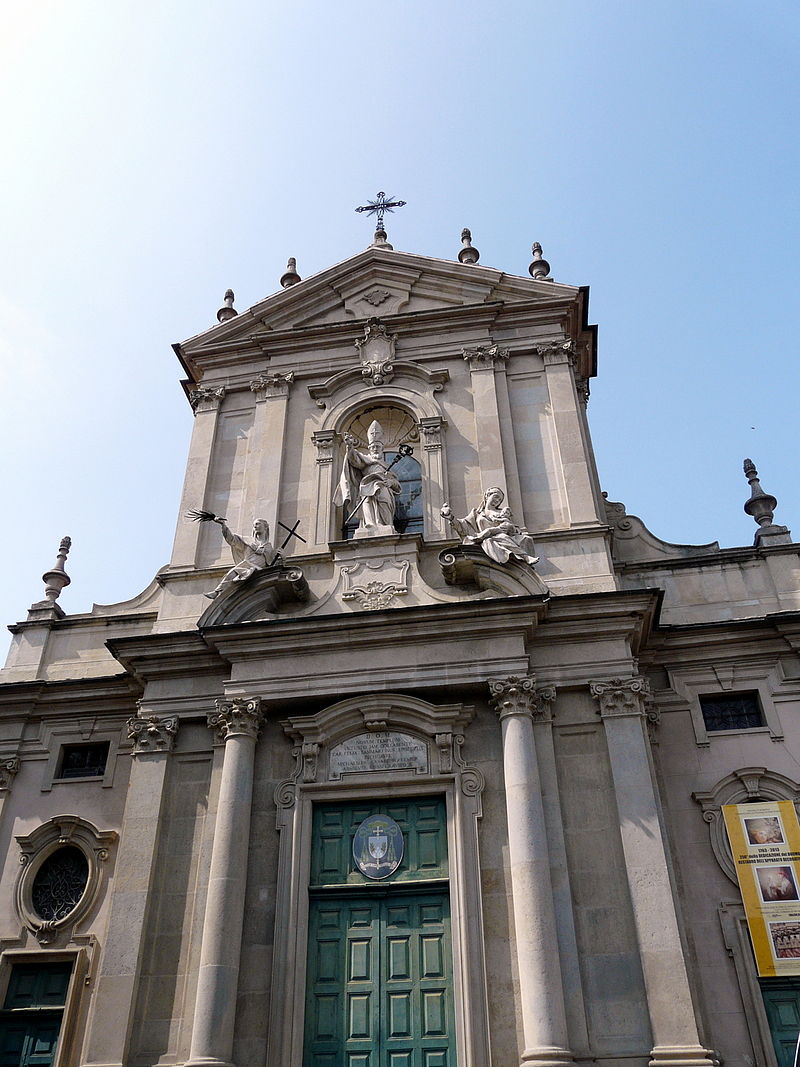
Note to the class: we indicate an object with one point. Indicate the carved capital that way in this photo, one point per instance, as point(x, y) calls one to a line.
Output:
point(555, 352)
point(8, 769)
point(152, 734)
point(206, 399)
point(513, 696)
point(309, 752)
point(621, 697)
point(324, 441)
point(272, 384)
point(431, 430)
point(239, 717)
point(543, 704)
point(485, 357)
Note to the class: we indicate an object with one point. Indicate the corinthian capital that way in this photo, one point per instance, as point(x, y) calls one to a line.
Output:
point(241, 716)
point(485, 356)
point(8, 769)
point(205, 398)
point(272, 384)
point(152, 734)
point(621, 696)
point(513, 695)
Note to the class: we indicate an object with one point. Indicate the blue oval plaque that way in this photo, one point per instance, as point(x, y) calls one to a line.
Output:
point(378, 847)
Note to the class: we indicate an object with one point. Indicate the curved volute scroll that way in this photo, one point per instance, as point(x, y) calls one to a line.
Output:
point(357, 738)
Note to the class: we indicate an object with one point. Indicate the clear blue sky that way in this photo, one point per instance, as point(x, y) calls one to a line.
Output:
point(155, 154)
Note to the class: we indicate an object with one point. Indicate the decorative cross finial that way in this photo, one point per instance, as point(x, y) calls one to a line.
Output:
point(227, 311)
point(761, 506)
point(379, 206)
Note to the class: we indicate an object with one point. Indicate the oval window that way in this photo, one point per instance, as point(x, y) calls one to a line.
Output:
point(60, 883)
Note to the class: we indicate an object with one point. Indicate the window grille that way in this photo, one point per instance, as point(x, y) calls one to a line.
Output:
point(731, 711)
point(60, 883)
point(83, 761)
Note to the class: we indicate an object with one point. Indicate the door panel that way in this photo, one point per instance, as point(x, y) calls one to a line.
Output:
point(380, 982)
point(782, 1004)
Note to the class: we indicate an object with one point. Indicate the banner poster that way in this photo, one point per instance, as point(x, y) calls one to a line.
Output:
point(765, 842)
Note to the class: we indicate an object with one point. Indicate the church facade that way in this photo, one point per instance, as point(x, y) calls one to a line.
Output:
point(415, 753)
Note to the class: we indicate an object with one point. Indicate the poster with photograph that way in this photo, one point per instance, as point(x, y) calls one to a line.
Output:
point(765, 843)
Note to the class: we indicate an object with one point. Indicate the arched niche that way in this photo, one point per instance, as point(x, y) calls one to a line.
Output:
point(345, 397)
point(424, 759)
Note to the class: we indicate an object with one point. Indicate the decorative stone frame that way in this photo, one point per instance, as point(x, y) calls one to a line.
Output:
point(54, 737)
point(36, 847)
point(439, 728)
point(342, 396)
point(737, 941)
point(702, 680)
point(82, 958)
point(749, 783)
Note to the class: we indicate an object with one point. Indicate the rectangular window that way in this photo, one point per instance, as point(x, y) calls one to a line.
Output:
point(731, 711)
point(83, 761)
point(30, 1020)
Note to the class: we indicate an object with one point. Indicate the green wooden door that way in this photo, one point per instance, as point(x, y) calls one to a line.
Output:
point(31, 1017)
point(782, 1003)
point(380, 990)
point(379, 980)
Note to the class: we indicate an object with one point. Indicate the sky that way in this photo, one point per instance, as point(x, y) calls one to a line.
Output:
point(155, 154)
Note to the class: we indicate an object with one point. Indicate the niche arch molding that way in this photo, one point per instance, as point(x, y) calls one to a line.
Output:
point(343, 397)
point(748, 783)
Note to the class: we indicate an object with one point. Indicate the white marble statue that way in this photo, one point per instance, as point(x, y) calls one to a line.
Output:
point(491, 526)
point(249, 554)
point(367, 487)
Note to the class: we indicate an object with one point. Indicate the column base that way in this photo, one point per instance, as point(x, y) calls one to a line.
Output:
point(207, 1061)
point(547, 1056)
point(682, 1056)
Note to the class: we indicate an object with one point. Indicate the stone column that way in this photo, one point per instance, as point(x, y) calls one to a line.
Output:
point(239, 721)
point(265, 455)
point(492, 411)
point(568, 419)
point(206, 403)
point(544, 1025)
point(623, 707)
point(118, 978)
point(574, 1005)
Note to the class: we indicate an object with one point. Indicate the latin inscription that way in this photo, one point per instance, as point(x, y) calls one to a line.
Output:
point(379, 752)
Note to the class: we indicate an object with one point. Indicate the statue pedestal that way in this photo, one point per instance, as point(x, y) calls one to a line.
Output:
point(374, 531)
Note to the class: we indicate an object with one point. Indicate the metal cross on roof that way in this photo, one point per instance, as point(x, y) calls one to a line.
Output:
point(380, 205)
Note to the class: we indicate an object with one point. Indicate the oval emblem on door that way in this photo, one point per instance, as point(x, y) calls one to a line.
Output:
point(378, 847)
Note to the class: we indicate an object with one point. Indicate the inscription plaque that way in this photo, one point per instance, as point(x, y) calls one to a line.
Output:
point(378, 752)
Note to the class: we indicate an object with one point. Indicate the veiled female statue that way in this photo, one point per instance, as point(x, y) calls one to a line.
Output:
point(492, 527)
point(367, 487)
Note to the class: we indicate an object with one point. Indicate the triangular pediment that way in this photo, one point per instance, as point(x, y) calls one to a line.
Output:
point(379, 282)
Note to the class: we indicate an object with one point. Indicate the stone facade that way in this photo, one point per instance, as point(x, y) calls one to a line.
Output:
point(554, 708)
